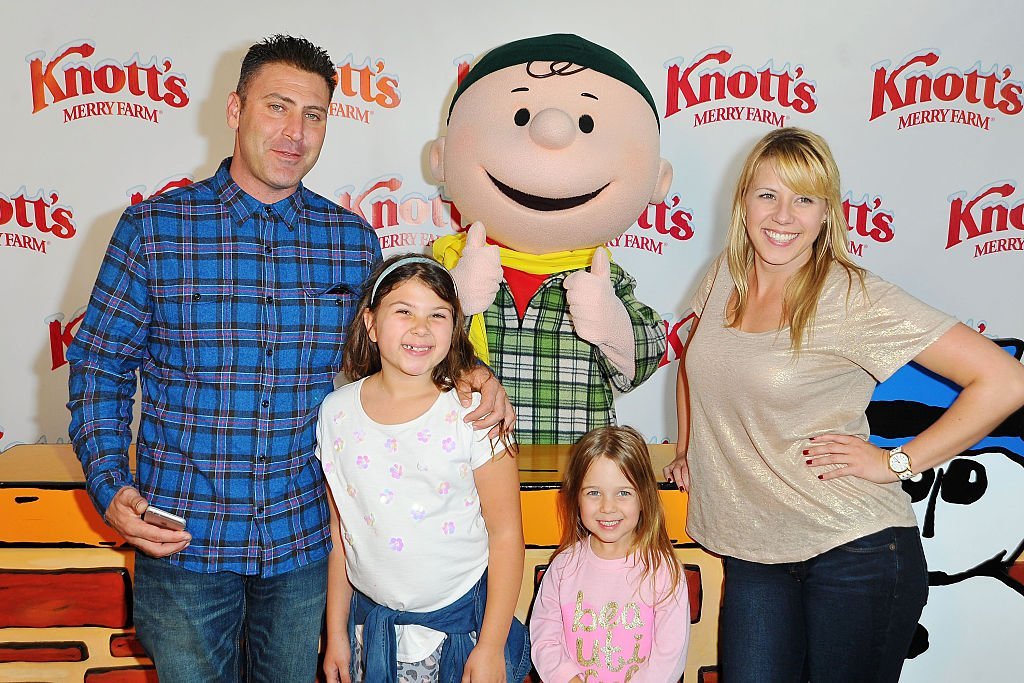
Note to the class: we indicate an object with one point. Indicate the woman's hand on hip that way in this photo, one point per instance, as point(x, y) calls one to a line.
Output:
point(854, 456)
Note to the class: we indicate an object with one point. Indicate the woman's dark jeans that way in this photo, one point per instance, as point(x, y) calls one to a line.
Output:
point(847, 615)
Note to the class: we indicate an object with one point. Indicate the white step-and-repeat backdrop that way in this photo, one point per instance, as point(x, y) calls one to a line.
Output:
point(108, 103)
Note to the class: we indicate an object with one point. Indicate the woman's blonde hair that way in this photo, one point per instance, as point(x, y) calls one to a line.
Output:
point(804, 163)
point(625, 447)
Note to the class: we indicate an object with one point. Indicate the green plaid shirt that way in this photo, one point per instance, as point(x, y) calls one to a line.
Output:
point(561, 385)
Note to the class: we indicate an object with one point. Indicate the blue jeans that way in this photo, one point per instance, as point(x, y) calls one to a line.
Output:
point(192, 624)
point(847, 615)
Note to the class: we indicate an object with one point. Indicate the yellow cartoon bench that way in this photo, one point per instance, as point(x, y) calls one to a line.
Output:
point(65, 577)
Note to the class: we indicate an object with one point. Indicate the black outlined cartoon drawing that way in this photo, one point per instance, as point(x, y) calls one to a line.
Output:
point(971, 514)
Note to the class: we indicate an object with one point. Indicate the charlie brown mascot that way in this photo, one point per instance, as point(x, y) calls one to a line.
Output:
point(553, 150)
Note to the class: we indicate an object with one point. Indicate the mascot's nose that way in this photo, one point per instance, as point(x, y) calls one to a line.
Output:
point(552, 129)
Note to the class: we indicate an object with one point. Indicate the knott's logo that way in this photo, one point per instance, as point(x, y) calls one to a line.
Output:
point(137, 194)
point(61, 336)
point(977, 219)
point(39, 214)
point(64, 78)
point(379, 206)
point(668, 219)
point(366, 84)
point(676, 333)
point(866, 219)
point(911, 84)
point(702, 82)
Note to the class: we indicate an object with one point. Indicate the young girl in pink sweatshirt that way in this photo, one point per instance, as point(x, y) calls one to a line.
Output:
point(612, 606)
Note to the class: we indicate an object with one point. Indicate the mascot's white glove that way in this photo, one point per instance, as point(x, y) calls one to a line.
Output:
point(478, 273)
point(598, 315)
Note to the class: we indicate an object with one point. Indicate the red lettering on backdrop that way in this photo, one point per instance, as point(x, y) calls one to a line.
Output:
point(668, 218)
point(892, 90)
point(136, 196)
point(62, 81)
point(61, 337)
point(676, 341)
point(378, 205)
point(463, 70)
point(38, 213)
point(787, 87)
point(974, 218)
point(368, 82)
point(865, 219)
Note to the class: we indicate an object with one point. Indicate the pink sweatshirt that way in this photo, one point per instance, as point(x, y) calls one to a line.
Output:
point(590, 620)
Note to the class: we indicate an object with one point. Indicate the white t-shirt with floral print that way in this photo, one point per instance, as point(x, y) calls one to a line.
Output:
point(412, 530)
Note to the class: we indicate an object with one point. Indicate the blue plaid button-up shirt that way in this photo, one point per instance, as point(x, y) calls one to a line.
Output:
point(233, 314)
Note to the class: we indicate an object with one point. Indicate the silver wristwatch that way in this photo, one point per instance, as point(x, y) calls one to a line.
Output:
point(899, 463)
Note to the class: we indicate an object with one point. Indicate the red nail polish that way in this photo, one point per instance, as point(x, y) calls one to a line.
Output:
point(806, 452)
point(821, 476)
point(808, 462)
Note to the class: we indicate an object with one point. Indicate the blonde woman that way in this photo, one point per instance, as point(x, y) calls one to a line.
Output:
point(824, 571)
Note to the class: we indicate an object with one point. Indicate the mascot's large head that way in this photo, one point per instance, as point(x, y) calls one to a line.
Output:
point(553, 144)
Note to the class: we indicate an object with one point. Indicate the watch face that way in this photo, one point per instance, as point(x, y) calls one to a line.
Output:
point(899, 462)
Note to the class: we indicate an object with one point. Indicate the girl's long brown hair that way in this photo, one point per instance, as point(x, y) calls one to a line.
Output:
point(361, 356)
point(626, 448)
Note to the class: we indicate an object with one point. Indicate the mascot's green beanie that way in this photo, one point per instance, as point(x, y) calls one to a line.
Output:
point(567, 48)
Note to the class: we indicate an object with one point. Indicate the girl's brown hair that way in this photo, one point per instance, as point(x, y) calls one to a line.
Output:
point(361, 357)
point(804, 163)
point(625, 447)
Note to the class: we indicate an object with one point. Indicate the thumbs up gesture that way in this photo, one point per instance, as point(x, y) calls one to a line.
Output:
point(598, 316)
point(478, 273)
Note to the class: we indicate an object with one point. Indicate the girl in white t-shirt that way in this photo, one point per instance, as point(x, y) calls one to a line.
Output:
point(425, 518)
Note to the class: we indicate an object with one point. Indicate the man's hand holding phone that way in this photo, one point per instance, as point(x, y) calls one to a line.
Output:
point(163, 519)
point(125, 515)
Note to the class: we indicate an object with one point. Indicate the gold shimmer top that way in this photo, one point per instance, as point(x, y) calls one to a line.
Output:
point(754, 404)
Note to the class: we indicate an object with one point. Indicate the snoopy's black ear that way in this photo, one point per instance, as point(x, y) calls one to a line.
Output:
point(919, 643)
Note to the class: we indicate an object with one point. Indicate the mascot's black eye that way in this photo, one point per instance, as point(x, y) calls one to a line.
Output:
point(586, 123)
point(522, 117)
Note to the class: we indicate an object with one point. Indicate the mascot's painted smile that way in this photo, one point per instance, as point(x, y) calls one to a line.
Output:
point(536, 203)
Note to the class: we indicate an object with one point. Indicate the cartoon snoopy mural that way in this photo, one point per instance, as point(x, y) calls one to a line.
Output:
point(971, 514)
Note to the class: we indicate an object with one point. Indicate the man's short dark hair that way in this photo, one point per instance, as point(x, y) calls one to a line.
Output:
point(282, 49)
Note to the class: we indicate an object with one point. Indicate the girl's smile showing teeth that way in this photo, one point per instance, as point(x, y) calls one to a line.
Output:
point(781, 238)
point(411, 311)
point(605, 490)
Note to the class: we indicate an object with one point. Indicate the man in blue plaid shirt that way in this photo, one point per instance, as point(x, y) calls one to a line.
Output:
point(229, 299)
